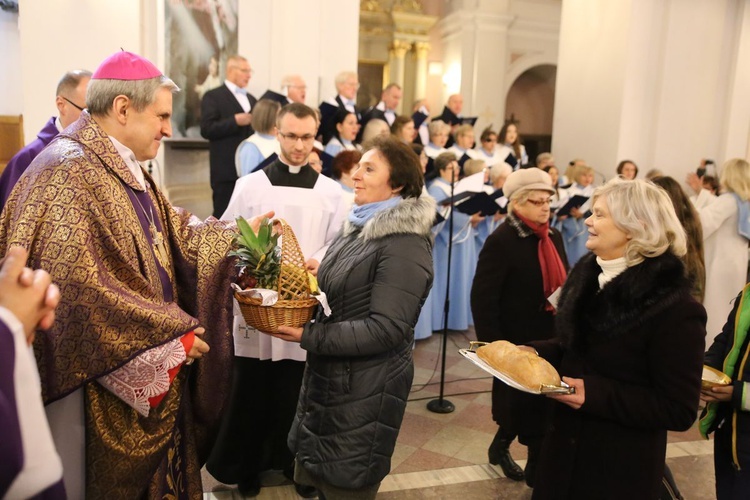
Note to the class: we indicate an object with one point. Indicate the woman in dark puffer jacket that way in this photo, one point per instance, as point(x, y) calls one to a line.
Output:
point(359, 370)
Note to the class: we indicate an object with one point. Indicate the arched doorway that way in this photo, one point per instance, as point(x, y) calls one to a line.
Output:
point(531, 103)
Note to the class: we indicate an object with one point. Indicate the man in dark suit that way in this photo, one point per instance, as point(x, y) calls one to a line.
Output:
point(293, 88)
point(386, 109)
point(225, 122)
point(452, 115)
point(347, 85)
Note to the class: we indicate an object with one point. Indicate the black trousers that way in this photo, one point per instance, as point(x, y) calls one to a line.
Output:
point(254, 430)
point(222, 193)
point(731, 484)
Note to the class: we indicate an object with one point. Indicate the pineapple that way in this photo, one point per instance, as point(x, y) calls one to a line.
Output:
point(259, 255)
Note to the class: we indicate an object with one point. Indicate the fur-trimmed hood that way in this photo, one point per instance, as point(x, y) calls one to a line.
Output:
point(411, 216)
point(587, 314)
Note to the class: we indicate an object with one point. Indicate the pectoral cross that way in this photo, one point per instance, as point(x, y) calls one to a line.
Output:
point(160, 250)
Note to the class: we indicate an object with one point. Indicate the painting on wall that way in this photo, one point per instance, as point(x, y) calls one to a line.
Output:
point(200, 36)
point(372, 74)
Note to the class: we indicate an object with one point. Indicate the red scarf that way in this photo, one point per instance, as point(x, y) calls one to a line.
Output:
point(553, 270)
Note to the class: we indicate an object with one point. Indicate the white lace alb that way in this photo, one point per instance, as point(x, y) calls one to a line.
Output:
point(145, 376)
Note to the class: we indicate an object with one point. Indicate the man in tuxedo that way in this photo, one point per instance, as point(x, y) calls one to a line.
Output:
point(347, 85)
point(225, 122)
point(293, 88)
point(386, 108)
point(70, 100)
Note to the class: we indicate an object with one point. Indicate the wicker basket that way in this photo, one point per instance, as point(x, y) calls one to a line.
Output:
point(294, 312)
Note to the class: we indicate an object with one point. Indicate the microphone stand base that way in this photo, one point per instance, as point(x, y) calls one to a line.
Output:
point(440, 406)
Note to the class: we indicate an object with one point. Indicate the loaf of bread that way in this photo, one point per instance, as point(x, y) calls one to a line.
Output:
point(524, 367)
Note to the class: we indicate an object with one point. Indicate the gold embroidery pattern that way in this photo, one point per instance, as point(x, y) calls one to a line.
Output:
point(73, 214)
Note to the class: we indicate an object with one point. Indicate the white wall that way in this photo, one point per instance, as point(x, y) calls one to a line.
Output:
point(662, 83)
point(57, 36)
point(11, 93)
point(314, 38)
point(493, 43)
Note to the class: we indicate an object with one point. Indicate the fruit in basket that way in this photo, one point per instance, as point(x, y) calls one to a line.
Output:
point(313, 283)
point(258, 255)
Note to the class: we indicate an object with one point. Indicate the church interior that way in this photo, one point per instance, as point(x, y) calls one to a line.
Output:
point(665, 83)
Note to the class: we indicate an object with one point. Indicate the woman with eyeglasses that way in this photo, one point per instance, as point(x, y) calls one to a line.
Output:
point(463, 251)
point(521, 264)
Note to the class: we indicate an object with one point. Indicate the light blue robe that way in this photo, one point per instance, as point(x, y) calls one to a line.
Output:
point(463, 265)
point(574, 231)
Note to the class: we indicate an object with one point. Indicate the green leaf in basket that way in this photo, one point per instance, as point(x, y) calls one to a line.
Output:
point(264, 231)
point(247, 233)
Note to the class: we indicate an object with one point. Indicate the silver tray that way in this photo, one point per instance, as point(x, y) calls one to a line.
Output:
point(508, 380)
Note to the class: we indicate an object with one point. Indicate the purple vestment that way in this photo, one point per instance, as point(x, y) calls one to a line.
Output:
point(21, 161)
point(11, 443)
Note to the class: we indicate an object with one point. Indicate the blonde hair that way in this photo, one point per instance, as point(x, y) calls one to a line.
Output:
point(437, 126)
point(375, 127)
point(473, 167)
point(646, 214)
point(581, 170)
point(463, 129)
point(342, 77)
point(735, 177)
point(500, 170)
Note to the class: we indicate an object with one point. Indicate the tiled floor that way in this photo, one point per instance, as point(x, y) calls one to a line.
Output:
point(445, 455)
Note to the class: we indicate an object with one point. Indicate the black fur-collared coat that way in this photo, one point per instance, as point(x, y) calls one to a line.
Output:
point(638, 345)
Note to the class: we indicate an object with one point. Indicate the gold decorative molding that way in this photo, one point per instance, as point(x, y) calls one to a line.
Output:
point(373, 6)
point(414, 6)
point(399, 48)
point(421, 49)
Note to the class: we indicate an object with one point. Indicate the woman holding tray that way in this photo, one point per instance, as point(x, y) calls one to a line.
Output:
point(376, 274)
point(630, 339)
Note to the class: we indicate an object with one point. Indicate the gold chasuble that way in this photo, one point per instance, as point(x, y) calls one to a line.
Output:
point(73, 212)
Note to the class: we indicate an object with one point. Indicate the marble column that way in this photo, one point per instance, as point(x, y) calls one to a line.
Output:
point(420, 69)
point(396, 53)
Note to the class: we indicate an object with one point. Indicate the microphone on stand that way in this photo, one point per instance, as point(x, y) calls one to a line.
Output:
point(604, 177)
point(441, 405)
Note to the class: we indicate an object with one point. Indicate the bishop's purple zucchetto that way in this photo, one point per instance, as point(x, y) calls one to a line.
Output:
point(126, 66)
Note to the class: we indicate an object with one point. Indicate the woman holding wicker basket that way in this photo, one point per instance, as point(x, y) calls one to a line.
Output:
point(376, 274)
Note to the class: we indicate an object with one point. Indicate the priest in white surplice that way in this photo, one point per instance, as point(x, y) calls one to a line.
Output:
point(268, 371)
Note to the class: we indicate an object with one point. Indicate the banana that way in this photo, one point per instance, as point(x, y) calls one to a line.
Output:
point(313, 283)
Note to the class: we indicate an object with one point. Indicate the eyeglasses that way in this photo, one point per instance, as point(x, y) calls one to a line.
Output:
point(73, 104)
point(540, 203)
point(294, 137)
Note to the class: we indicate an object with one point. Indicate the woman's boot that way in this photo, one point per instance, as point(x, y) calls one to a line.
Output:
point(534, 448)
point(500, 455)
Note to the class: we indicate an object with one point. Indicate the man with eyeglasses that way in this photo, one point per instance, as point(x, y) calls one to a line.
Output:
point(293, 89)
point(225, 122)
point(70, 101)
point(268, 371)
point(347, 85)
